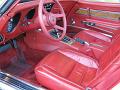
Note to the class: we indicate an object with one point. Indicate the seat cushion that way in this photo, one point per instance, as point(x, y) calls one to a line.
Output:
point(66, 70)
point(94, 37)
point(98, 42)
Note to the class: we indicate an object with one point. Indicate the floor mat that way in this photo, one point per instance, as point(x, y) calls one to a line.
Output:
point(18, 68)
point(25, 70)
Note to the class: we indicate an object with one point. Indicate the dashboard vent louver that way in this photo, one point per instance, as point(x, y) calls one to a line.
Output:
point(22, 1)
point(1, 38)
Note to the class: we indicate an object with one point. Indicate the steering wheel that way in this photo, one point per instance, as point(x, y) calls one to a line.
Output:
point(48, 20)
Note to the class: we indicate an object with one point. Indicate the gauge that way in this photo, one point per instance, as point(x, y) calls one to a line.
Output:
point(1, 38)
point(48, 6)
point(31, 14)
point(12, 23)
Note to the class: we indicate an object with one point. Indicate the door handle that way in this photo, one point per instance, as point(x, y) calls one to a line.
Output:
point(88, 23)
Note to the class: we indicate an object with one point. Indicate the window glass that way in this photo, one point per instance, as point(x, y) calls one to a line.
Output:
point(117, 87)
point(111, 1)
point(2, 2)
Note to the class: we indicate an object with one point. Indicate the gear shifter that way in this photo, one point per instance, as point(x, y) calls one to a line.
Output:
point(58, 33)
point(55, 33)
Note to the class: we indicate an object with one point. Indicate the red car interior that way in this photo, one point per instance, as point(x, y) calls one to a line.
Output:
point(66, 66)
point(61, 44)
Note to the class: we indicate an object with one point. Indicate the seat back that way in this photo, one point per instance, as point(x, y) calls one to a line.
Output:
point(110, 54)
point(108, 77)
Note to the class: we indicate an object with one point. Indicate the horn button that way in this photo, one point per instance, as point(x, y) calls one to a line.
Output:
point(51, 19)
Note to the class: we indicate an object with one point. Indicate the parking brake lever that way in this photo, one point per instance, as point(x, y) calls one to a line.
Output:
point(83, 42)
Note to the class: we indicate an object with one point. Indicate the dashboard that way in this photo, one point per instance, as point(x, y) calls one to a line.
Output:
point(21, 17)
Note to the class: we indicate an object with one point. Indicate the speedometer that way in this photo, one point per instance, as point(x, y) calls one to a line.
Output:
point(12, 23)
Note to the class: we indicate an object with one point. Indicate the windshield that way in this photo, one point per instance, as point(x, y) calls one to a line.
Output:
point(110, 1)
point(2, 2)
point(5, 5)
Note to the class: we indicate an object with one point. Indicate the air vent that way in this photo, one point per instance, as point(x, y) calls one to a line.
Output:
point(30, 14)
point(22, 1)
point(1, 38)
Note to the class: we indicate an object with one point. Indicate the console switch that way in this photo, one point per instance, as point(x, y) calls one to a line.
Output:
point(67, 40)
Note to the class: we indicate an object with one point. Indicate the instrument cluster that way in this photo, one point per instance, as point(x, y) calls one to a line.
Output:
point(20, 19)
point(15, 20)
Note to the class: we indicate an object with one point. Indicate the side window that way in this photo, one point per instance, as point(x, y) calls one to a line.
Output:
point(117, 87)
point(2, 2)
point(110, 1)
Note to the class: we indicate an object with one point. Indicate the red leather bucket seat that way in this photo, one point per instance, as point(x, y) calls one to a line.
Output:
point(70, 70)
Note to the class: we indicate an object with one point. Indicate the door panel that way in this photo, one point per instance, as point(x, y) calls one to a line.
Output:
point(102, 17)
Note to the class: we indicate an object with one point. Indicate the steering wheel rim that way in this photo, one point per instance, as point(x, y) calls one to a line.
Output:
point(49, 18)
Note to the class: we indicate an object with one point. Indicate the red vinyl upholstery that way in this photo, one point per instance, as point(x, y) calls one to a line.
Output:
point(70, 70)
point(98, 41)
point(66, 70)
point(94, 37)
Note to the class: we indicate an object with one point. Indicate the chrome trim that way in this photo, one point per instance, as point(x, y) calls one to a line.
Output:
point(110, 36)
point(92, 12)
point(106, 16)
point(73, 22)
point(97, 45)
point(102, 29)
point(94, 27)
point(77, 27)
point(107, 26)
point(8, 77)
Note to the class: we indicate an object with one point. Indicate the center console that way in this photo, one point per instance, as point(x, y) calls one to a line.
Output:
point(79, 45)
point(66, 39)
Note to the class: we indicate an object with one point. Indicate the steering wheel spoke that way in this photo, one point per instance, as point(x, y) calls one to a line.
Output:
point(58, 15)
point(45, 11)
point(59, 27)
point(48, 20)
